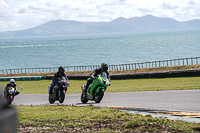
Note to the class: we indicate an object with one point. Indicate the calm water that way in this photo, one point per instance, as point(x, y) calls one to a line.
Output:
point(93, 50)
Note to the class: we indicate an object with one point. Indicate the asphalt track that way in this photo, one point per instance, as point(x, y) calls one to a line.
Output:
point(175, 100)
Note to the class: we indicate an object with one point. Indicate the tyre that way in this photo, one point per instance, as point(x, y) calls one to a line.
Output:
point(51, 100)
point(62, 96)
point(10, 99)
point(98, 96)
point(84, 98)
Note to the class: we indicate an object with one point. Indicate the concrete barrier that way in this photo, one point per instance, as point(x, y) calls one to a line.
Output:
point(22, 78)
point(166, 74)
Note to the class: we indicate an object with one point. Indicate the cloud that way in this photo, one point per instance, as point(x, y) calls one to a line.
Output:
point(3, 4)
point(26, 14)
point(168, 6)
point(192, 2)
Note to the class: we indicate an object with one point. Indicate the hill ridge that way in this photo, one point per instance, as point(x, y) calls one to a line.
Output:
point(144, 24)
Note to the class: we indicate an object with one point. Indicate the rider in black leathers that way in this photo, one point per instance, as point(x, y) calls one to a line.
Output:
point(59, 74)
point(104, 68)
point(11, 84)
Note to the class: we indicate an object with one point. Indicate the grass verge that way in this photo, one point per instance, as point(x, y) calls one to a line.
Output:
point(183, 83)
point(90, 119)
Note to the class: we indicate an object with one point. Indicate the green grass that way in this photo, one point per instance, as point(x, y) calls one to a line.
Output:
point(95, 119)
point(186, 83)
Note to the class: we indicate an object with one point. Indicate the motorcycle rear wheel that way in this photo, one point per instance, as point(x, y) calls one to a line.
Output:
point(84, 98)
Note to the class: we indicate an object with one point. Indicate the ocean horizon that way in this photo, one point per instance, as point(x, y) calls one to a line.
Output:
point(94, 50)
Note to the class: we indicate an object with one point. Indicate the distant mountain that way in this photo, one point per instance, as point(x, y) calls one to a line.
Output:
point(120, 25)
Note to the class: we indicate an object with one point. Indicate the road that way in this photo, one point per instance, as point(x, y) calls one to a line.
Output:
point(175, 100)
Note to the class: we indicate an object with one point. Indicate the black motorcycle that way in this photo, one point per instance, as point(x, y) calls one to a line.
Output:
point(9, 94)
point(58, 91)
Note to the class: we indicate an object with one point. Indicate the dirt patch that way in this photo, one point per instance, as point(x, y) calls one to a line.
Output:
point(97, 126)
point(92, 126)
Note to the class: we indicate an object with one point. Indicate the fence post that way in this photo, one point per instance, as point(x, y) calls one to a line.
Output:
point(181, 61)
point(192, 61)
point(187, 60)
point(138, 65)
point(196, 61)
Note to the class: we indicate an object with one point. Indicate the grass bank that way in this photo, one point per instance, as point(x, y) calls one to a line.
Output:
point(91, 119)
point(183, 83)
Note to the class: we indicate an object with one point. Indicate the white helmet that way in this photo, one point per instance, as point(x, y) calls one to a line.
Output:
point(12, 81)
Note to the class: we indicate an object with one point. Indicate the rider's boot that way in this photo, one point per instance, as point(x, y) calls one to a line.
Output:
point(86, 87)
point(16, 93)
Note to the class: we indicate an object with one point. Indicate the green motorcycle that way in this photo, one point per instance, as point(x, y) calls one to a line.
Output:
point(96, 89)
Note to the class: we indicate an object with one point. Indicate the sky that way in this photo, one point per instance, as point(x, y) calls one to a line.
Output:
point(24, 14)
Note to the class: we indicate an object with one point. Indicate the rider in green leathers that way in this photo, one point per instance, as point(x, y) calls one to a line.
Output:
point(104, 68)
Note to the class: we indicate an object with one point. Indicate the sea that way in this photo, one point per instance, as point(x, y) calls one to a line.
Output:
point(96, 49)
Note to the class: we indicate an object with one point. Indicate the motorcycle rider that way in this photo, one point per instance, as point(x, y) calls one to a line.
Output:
point(103, 68)
point(11, 84)
point(59, 74)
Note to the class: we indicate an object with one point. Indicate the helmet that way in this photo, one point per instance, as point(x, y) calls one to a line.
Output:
point(12, 81)
point(61, 69)
point(104, 67)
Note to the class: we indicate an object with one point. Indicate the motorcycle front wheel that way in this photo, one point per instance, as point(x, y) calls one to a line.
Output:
point(99, 96)
point(10, 99)
point(51, 100)
point(62, 96)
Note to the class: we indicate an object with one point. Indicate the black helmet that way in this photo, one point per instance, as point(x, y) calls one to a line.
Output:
point(61, 69)
point(104, 67)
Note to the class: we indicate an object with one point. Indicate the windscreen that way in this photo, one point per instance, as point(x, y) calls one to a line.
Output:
point(104, 75)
